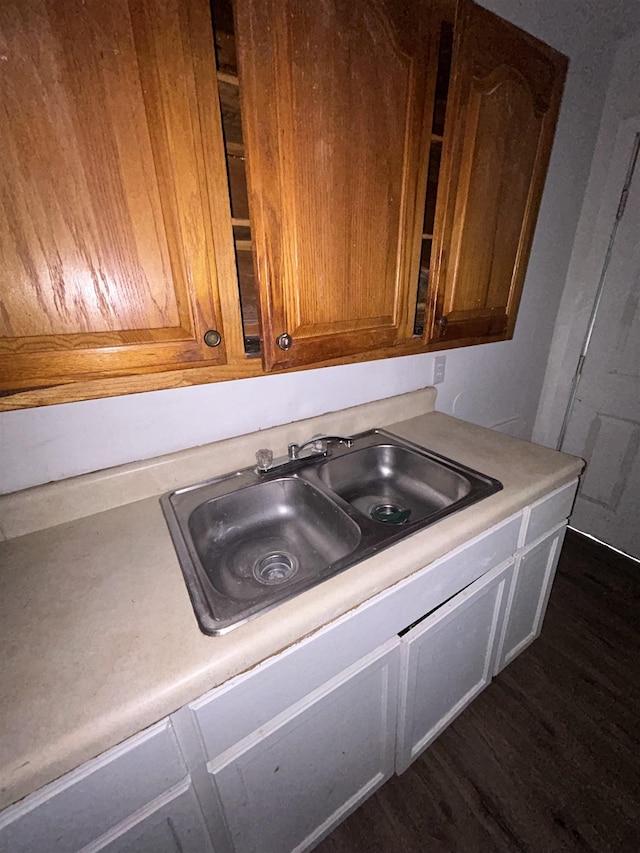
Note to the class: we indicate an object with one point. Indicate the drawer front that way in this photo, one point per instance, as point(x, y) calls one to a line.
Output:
point(229, 713)
point(81, 806)
point(548, 512)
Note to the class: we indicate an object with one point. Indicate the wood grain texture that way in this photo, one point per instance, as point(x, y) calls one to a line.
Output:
point(108, 256)
point(336, 126)
point(114, 218)
point(503, 105)
point(237, 367)
point(546, 758)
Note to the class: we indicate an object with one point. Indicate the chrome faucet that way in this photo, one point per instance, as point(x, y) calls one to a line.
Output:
point(319, 445)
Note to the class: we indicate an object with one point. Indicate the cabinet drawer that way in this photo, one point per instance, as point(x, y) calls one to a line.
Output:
point(83, 805)
point(230, 712)
point(548, 512)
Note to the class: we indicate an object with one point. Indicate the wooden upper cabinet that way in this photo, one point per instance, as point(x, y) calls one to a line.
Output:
point(336, 112)
point(501, 114)
point(371, 169)
point(105, 231)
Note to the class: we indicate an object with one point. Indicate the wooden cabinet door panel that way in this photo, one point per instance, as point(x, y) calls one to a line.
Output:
point(107, 254)
point(503, 107)
point(333, 102)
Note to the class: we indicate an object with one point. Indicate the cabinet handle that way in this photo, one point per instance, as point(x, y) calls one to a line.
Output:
point(212, 338)
point(442, 322)
point(284, 341)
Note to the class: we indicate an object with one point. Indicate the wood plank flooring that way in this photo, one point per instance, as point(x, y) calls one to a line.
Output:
point(547, 758)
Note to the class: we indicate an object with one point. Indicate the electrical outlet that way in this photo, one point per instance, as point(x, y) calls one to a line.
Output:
point(438, 369)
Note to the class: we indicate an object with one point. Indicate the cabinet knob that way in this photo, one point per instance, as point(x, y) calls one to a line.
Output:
point(442, 322)
point(284, 341)
point(212, 338)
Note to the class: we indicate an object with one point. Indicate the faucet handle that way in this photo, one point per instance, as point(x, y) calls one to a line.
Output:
point(264, 459)
point(319, 443)
point(324, 440)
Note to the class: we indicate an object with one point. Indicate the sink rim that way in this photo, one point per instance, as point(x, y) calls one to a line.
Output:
point(178, 505)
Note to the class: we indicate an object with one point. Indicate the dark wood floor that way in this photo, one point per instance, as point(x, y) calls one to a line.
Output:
point(547, 758)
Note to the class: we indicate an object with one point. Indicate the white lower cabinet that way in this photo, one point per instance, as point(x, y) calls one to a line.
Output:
point(287, 784)
point(447, 660)
point(272, 760)
point(534, 572)
point(173, 823)
point(135, 797)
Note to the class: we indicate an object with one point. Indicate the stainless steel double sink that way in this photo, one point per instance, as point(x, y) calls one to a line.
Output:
point(249, 540)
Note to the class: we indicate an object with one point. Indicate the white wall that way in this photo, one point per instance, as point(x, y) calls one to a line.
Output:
point(592, 238)
point(48, 443)
point(491, 385)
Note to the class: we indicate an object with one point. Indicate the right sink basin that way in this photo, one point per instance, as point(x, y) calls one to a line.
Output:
point(394, 484)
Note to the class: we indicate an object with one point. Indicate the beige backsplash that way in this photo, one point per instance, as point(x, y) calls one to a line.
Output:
point(45, 506)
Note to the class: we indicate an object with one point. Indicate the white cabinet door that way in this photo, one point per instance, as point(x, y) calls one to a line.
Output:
point(447, 660)
point(533, 576)
point(286, 785)
point(172, 823)
point(81, 807)
point(134, 798)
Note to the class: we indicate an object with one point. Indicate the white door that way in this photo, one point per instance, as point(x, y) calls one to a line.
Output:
point(603, 426)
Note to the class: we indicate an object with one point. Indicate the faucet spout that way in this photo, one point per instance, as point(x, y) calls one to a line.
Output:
point(320, 444)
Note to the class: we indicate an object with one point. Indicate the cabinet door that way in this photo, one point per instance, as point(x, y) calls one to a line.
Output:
point(289, 783)
point(126, 791)
point(171, 824)
point(501, 116)
point(447, 660)
point(336, 109)
point(105, 233)
point(532, 581)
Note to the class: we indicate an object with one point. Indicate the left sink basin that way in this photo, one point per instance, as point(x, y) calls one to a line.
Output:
point(289, 531)
point(255, 545)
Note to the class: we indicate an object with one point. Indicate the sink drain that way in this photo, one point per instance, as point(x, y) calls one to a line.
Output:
point(275, 568)
point(390, 514)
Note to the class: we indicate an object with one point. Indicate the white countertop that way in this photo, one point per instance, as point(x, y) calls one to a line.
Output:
point(99, 638)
